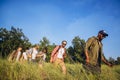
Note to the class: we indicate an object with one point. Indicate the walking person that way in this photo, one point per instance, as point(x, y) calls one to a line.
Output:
point(25, 54)
point(34, 53)
point(42, 56)
point(58, 55)
point(94, 53)
point(15, 55)
point(18, 54)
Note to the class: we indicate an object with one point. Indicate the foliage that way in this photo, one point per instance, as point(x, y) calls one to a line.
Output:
point(44, 42)
point(12, 39)
point(77, 50)
point(118, 60)
point(113, 61)
point(50, 48)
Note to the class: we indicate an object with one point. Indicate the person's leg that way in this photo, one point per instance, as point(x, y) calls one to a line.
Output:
point(41, 63)
point(62, 64)
point(95, 70)
point(87, 68)
point(56, 63)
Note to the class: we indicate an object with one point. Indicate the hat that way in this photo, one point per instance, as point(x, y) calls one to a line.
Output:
point(103, 32)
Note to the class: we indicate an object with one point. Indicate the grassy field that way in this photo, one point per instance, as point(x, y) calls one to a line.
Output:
point(32, 71)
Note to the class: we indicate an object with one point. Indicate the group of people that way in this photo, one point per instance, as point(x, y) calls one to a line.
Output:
point(93, 52)
point(28, 55)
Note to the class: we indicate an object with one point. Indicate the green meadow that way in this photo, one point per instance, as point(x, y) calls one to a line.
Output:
point(33, 71)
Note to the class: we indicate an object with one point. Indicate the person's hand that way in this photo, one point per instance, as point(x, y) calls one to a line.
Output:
point(111, 65)
point(51, 60)
point(87, 60)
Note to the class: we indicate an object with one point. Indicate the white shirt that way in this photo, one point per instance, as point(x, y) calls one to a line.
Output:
point(18, 56)
point(25, 55)
point(34, 53)
point(43, 55)
point(60, 53)
point(30, 51)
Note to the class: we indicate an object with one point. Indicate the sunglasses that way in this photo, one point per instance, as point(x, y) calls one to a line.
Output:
point(63, 44)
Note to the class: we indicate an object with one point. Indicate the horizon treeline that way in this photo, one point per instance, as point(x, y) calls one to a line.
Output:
point(11, 39)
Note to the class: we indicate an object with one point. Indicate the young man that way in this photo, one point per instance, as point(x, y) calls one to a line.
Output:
point(58, 55)
point(94, 53)
point(34, 52)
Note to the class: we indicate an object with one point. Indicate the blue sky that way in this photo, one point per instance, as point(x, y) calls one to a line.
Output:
point(64, 19)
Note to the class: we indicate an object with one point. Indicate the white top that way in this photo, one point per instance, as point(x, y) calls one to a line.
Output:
point(34, 53)
point(18, 56)
point(60, 53)
point(25, 55)
point(43, 55)
point(30, 51)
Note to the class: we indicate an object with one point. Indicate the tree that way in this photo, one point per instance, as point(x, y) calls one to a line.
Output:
point(111, 60)
point(50, 49)
point(118, 60)
point(11, 39)
point(44, 42)
point(77, 50)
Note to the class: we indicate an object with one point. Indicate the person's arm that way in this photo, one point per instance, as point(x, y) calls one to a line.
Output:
point(105, 61)
point(39, 55)
point(87, 46)
point(87, 57)
point(53, 53)
point(65, 54)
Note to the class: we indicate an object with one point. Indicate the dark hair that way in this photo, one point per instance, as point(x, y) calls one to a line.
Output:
point(64, 41)
point(45, 48)
point(27, 48)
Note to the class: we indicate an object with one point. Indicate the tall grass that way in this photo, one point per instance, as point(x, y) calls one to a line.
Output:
point(32, 71)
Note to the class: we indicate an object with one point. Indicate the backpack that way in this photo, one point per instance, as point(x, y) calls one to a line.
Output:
point(53, 54)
